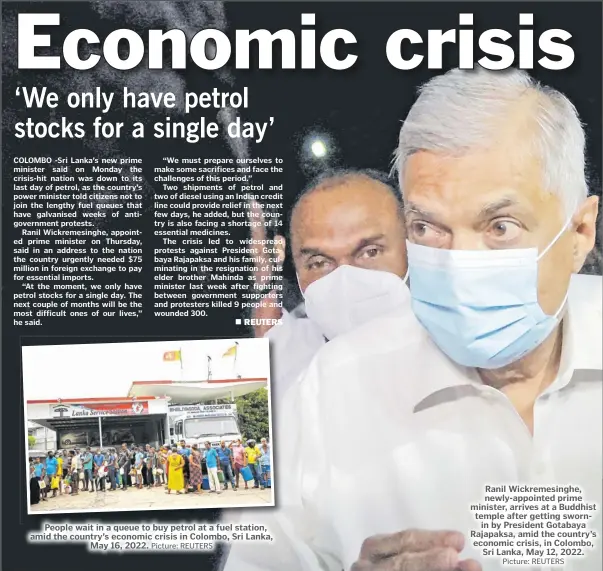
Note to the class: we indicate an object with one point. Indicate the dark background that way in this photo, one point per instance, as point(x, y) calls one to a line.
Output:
point(358, 109)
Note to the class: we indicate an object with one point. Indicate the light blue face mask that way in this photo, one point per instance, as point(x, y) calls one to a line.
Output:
point(480, 307)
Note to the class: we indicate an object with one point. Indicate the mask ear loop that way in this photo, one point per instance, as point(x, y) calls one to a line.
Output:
point(299, 286)
point(559, 234)
point(562, 306)
point(551, 244)
point(405, 278)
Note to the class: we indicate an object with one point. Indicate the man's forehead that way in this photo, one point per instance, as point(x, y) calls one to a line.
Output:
point(429, 203)
point(343, 223)
point(474, 181)
point(358, 195)
point(496, 166)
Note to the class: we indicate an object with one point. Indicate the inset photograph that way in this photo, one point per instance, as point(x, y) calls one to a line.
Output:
point(155, 425)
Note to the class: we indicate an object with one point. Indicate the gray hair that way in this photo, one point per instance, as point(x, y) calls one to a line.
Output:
point(461, 110)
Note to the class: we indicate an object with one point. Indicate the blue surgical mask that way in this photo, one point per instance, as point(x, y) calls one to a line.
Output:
point(480, 307)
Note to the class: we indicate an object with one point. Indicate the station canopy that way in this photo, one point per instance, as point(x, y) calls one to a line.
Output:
point(91, 423)
point(83, 414)
point(193, 392)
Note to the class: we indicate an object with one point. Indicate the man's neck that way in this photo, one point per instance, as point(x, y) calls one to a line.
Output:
point(522, 382)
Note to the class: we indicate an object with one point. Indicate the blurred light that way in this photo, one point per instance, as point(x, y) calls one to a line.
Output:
point(319, 149)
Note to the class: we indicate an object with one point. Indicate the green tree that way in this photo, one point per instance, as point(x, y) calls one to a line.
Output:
point(31, 440)
point(252, 410)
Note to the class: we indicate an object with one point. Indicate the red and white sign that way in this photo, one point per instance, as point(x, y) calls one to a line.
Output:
point(70, 410)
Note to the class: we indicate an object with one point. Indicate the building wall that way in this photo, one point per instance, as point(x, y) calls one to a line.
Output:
point(46, 439)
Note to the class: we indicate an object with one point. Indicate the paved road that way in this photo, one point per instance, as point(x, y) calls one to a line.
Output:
point(154, 498)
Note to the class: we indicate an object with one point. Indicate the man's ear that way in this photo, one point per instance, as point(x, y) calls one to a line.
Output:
point(280, 244)
point(584, 222)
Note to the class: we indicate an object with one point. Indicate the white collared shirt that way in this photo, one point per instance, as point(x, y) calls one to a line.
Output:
point(293, 345)
point(76, 463)
point(385, 433)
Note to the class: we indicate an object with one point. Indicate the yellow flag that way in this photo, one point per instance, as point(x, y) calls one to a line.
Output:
point(231, 352)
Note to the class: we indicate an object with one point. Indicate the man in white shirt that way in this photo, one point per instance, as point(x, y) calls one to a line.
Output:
point(75, 466)
point(493, 378)
point(344, 218)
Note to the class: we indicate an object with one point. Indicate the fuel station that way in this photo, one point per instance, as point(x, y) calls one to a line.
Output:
point(102, 422)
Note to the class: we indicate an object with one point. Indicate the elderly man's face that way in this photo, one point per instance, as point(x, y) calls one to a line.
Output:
point(355, 223)
point(495, 200)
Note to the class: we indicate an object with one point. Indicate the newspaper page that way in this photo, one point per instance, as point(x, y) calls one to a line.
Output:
point(302, 286)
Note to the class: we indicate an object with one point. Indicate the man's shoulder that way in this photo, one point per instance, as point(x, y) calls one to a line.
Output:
point(367, 363)
point(295, 329)
point(585, 301)
point(393, 336)
point(586, 289)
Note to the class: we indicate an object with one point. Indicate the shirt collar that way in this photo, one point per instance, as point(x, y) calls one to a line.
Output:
point(582, 332)
point(299, 311)
point(582, 342)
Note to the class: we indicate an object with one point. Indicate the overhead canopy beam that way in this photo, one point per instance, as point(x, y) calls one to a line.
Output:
point(82, 423)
